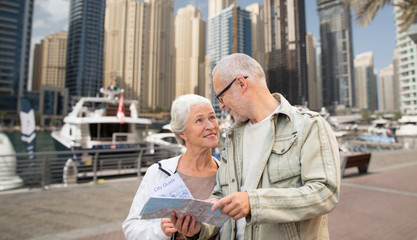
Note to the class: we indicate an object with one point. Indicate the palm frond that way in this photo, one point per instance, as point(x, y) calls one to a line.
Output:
point(409, 13)
point(366, 10)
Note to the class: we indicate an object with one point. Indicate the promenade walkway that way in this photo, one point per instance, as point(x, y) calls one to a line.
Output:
point(379, 205)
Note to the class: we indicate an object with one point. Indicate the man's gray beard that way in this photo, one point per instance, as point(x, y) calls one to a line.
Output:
point(239, 120)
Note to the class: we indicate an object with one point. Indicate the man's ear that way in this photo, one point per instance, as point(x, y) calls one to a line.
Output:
point(243, 83)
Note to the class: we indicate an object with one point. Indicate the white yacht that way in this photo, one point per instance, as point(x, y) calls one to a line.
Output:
point(380, 127)
point(8, 176)
point(100, 123)
point(165, 138)
point(407, 126)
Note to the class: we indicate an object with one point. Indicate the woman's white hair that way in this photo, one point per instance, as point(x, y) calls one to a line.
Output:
point(180, 110)
point(239, 64)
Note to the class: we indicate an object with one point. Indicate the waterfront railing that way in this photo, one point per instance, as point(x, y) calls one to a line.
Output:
point(79, 166)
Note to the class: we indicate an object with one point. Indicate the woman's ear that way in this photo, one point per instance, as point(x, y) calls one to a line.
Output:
point(182, 135)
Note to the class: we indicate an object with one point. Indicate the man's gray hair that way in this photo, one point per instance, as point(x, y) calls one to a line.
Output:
point(239, 64)
point(180, 110)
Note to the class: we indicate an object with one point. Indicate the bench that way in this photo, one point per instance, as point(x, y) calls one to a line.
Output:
point(361, 161)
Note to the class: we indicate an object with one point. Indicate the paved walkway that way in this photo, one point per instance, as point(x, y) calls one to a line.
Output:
point(379, 205)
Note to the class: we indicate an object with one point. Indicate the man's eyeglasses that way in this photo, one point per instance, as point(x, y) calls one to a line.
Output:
point(219, 96)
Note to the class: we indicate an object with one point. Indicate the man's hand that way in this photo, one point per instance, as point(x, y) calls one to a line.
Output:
point(186, 225)
point(235, 205)
point(167, 227)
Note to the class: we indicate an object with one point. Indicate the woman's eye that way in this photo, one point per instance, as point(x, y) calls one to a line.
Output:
point(213, 118)
point(198, 121)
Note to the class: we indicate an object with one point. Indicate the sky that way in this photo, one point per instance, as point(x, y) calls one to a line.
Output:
point(51, 16)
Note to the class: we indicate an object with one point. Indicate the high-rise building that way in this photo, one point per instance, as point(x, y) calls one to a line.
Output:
point(85, 48)
point(220, 29)
point(407, 67)
point(16, 27)
point(314, 88)
point(285, 46)
point(319, 78)
point(49, 61)
point(397, 102)
point(365, 82)
point(221, 38)
point(216, 6)
point(386, 89)
point(124, 46)
point(208, 89)
point(190, 45)
point(412, 31)
point(159, 67)
point(258, 32)
point(140, 52)
point(337, 53)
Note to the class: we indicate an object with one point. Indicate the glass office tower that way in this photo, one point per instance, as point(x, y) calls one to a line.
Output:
point(221, 39)
point(15, 33)
point(285, 30)
point(336, 53)
point(85, 48)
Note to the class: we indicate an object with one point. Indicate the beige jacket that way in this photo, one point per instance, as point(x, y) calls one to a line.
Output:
point(298, 178)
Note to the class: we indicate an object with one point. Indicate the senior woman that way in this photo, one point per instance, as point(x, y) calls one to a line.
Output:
point(195, 126)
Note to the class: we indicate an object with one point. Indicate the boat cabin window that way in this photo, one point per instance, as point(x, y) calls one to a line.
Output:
point(104, 131)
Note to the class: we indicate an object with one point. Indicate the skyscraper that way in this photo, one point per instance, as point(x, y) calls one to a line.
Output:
point(258, 32)
point(159, 79)
point(397, 101)
point(337, 53)
point(407, 67)
point(49, 61)
point(124, 46)
point(314, 87)
point(140, 52)
point(220, 29)
point(85, 48)
point(221, 38)
point(216, 6)
point(386, 89)
point(16, 27)
point(285, 46)
point(190, 45)
point(366, 96)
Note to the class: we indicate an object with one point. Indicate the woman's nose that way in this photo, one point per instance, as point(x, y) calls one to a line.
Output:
point(209, 125)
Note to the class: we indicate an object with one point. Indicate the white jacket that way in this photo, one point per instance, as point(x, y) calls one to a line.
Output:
point(133, 226)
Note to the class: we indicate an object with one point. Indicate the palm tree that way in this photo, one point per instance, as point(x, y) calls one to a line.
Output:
point(367, 9)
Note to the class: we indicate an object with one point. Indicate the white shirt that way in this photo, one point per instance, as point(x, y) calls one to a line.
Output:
point(254, 139)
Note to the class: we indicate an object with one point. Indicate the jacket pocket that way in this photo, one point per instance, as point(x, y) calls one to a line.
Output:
point(283, 162)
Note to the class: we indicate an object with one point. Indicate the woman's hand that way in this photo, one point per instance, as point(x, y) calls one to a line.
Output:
point(212, 200)
point(167, 227)
point(186, 225)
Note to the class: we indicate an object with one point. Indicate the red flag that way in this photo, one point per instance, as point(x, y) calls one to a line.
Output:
point(121, 111)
